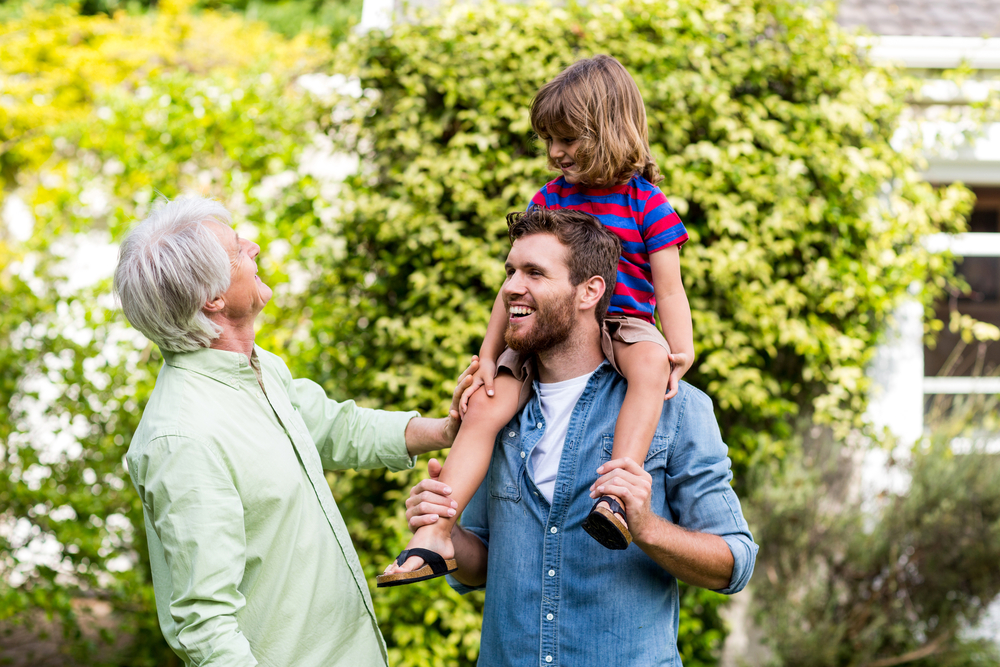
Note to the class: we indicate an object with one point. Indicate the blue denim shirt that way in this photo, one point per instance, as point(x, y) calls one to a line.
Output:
point(554, 596)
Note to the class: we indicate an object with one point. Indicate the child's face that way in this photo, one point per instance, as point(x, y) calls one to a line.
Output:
point(562, 151)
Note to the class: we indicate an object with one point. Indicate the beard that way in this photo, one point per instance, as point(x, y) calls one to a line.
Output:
point(553, 325)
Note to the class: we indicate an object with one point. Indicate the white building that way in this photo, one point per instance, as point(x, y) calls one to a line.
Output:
point(927, 38)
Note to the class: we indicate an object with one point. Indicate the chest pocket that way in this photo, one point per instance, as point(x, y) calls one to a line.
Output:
point(656, 458)
point(656, 465)
point(507, 467)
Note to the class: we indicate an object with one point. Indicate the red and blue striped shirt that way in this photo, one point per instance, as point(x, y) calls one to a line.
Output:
point(640, 215)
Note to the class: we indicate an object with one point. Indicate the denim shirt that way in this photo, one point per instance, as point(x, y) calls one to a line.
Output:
point(554, 596)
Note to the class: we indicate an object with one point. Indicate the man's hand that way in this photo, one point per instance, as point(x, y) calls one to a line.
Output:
point(429, 499)
point(626, 480)
point(679, 365)
point(481, 377)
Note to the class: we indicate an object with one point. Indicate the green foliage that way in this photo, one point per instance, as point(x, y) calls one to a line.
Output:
point(288, 17)
point(850, 584)
point(379, 204)
point(773, 134)
point(74, 378)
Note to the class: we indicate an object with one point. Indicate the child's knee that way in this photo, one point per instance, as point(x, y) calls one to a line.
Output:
point(646, 362)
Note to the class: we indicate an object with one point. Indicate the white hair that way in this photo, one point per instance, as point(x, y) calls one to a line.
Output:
point(169, 265)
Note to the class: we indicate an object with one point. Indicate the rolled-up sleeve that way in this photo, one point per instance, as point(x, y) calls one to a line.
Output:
point(352, 437)
point(192, 504)
point(698, 486)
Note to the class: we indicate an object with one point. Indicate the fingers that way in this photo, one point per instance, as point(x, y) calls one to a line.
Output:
point(626, 464)
point(471, 368)
point(488, 384)
point(672, 384)
point(429, 489)
point(429, 500)
point(467, 394)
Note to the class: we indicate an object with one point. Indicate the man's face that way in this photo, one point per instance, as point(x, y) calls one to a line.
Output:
point(246, 295)
point(540, 301)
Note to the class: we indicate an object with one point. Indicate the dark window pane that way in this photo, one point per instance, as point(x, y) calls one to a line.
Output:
point(984, 220)
point(983, 276)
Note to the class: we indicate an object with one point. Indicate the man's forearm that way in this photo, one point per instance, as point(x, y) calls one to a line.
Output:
point(471, 557)
point(424, 435)
point(699, 559)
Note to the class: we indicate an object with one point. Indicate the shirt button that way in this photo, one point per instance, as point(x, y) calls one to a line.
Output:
point(522, 455)
point(552, 573)
point(539, 425)
point(548, 658)
point(512, 434)
point(553, 530)
point(549, 617)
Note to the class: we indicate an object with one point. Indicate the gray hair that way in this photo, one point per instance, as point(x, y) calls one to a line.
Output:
point(169, 265)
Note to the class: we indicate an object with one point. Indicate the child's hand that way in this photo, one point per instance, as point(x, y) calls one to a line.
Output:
point(483, 377)
point(679, 365)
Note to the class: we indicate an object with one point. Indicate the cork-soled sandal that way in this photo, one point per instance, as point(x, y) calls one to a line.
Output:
point(434, 566)
point(605, 527)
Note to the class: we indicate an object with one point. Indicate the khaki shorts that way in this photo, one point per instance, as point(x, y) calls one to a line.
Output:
point(622, 328)
point(628, 330)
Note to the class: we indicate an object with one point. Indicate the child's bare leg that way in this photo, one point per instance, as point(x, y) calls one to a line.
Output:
point(646, 366)
point(465, 468)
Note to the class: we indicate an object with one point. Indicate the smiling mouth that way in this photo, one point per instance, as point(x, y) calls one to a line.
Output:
point(518, 312)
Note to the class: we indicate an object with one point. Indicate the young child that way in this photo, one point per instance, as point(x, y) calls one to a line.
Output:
point(593, 122)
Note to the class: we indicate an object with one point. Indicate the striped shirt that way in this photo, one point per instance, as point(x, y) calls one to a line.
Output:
point(638, 214)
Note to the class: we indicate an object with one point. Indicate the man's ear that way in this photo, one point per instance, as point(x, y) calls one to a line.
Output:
point(590, 292)
point(214, 305)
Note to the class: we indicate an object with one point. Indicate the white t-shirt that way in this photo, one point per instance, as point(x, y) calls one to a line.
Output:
point(557, 400)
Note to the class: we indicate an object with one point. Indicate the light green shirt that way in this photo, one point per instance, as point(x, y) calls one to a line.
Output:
point(251, 560)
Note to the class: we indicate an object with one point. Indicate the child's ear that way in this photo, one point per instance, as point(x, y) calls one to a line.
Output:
point(591, 291)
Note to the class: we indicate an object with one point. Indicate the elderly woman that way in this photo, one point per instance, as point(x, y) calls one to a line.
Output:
point(251, 559)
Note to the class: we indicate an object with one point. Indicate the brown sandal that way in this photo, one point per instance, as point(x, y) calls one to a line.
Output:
point(434, 566)
point(605, 527)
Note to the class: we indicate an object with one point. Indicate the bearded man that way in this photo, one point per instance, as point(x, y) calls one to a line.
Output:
point(554, 596)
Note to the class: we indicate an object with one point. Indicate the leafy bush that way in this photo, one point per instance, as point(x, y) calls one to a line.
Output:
point(847, 583)
point(105, 112)
point(379, 202)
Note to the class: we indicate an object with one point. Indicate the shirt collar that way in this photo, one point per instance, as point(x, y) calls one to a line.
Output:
point(231, 368)
point(597, 374)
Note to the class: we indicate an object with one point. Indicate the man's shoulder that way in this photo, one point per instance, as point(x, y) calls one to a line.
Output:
point(180, 402)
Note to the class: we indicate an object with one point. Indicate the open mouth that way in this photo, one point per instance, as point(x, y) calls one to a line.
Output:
point(520, 312)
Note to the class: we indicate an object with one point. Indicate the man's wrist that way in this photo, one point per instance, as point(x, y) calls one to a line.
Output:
point(649, 530)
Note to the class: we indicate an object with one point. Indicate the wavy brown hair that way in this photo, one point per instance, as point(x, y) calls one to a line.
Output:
point(597, 102)
point(594, 249)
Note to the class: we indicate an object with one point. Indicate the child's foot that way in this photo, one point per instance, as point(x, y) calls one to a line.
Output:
point(437, 559)
point(606, 523)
